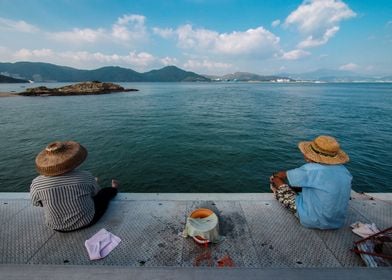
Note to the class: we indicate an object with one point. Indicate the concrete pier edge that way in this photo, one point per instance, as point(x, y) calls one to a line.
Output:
point(114, 272)
point(79, 272)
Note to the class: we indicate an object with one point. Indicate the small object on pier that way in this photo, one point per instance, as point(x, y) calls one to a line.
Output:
point(202, 225)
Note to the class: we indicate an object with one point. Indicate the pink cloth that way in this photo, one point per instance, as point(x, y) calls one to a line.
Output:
point(364, 230)
point(101, 244)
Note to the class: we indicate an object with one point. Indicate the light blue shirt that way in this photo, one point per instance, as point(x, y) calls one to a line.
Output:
point(325, 194)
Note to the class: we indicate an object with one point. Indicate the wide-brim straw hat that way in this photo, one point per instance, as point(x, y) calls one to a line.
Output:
point(324, 149)
point(59, 158)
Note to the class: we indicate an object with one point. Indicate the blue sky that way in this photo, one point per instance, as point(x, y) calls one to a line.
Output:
point(205, 36)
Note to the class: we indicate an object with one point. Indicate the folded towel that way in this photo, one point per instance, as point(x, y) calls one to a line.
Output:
point(364, 230)
point(101, 244)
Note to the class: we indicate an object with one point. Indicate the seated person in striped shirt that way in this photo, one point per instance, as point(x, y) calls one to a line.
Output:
point(71, 198)
point(324, 182)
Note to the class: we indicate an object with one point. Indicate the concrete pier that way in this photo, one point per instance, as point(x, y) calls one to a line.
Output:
point(261, 240)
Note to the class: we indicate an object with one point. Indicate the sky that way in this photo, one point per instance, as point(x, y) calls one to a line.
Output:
point(205, 36)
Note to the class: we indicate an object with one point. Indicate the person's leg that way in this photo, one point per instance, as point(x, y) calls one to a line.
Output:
point(101, 202)
point(285, 195)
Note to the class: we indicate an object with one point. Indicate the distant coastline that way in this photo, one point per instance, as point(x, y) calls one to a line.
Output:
point(45, 72)
point(8, 94)
point(42, 93)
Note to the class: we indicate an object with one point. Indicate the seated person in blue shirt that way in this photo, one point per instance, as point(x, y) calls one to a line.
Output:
point(324, 181)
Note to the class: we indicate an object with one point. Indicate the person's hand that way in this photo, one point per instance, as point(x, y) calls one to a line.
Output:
point(280, 174)
point(277, 181)
point(115, 183)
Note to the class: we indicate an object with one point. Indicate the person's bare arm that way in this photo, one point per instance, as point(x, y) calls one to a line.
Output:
point(281, 174)
point(280, 178)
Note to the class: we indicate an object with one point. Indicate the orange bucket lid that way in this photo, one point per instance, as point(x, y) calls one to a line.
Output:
point(201, 213)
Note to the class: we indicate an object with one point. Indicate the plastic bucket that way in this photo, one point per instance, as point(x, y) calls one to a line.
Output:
point(200, 214)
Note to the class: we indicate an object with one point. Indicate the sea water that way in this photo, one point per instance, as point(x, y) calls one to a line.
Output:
point(201, 137)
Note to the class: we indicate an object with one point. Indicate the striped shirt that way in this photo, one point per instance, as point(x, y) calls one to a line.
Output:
point(66, 199)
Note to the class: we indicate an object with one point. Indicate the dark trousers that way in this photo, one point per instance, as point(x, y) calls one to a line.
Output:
point(101, 202)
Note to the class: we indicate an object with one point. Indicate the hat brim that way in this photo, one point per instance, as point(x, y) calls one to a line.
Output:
point(305, 147)
point(55, 165)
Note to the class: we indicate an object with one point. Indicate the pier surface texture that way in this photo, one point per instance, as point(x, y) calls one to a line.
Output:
point(262, 239)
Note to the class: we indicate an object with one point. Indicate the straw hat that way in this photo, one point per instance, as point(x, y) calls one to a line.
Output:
point(59, 158)
point(323, 149)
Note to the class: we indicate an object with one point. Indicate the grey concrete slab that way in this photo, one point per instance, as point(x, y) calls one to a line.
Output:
point(151, 235)
point(259, 234)
point(23, 236)
point(381, 196)
point(237, 246)
point(340, 241)
point(194, 196)
point(11, 207)
point(57, 272)
point(281, 241)
point(375, 211)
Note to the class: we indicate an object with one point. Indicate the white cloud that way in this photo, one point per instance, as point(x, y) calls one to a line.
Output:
point(19, 26)
point(163, 32)
point(311, 42)
point(132, 59)
point(206, 66)
point(275, 23)
point(251, 41)
point(142, 59)
point(169, 61)
point(294, 54)
point(129, 28)
point(369, 68)
point(26, 54)
point(315, 15)
point(77, 35)
point(84, 59)
point(318, 20)
point(349, 67)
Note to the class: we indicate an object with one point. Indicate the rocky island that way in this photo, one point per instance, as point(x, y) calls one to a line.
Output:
point(85, 88)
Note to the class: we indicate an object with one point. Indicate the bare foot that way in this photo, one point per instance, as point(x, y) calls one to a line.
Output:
point(115, 183)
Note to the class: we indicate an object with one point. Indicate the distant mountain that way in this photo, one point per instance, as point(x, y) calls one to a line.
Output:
point(318, 74)
point(330, 75)
point(173, 74)
point(250, 77)
point(7, 79)
point(387, 78)
point(46, 72)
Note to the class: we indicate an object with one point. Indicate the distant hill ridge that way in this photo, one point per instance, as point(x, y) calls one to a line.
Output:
point(7, 79)
point(248, 77)
point(46, 72)
point(330, 75)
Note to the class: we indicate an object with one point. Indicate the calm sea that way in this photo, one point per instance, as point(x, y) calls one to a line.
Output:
point(201, 137)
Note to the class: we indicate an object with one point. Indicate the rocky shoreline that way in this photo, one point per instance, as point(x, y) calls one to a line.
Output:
point(8, 94)
point(85, 88)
